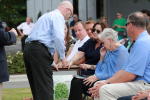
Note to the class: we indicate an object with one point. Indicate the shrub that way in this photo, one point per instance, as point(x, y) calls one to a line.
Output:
point(61, 91)
point(16, 63)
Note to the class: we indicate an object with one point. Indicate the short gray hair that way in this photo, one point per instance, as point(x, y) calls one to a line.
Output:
point(109, 33)
point(138, 19)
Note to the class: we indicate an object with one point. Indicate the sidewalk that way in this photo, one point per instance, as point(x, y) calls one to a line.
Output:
point(21, 81)
point(18, 78)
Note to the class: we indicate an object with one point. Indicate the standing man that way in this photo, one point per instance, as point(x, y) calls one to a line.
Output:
point(46, 37)
point(6, 38)
point(119, 25)
point(75, 19)
point(135, 74)
point(26, 27)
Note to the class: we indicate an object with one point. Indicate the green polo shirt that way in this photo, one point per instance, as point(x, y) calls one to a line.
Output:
point(120, 22)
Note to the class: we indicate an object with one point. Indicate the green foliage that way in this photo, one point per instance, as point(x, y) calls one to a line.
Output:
point(61, 91)
point(16, 63)
point(39, 15)
point(13, 12)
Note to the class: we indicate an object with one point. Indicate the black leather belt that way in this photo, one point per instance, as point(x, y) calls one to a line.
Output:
point(35, 42)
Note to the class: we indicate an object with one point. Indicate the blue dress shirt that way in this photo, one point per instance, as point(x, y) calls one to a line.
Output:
point(113, 62)
point(138, 62)
point(49, 30)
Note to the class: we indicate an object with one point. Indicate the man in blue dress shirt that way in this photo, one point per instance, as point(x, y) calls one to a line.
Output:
point(46, 37)
point(135, 74)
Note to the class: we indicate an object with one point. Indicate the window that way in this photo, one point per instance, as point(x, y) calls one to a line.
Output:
point(99, 8)
point(75, 7)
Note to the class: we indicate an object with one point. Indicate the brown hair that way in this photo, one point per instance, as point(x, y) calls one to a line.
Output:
point(67, 37)
point(83, 23)
point(148, 29)
point(103, 25)
point(102, 17)
point(90, 22)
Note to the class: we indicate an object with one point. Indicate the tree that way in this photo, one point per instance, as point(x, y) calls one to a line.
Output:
point(13, 12)
point(39, 15)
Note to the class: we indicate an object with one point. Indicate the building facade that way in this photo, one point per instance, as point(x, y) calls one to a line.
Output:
point(89, 9)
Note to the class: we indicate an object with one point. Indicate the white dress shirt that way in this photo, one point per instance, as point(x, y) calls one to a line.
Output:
point(78, 44)
point(26, 28)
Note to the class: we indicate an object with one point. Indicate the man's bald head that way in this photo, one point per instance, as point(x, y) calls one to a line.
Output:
point(28, 20)
point(66, 9)
point(66, 3)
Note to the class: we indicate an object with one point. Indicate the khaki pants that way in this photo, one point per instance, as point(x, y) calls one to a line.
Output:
point(0, 91)
point(114, 91)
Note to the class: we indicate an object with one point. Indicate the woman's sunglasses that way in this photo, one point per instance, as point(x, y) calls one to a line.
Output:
point(93, 30)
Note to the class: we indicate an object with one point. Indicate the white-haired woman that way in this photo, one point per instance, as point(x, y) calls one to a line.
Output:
point(112, 59)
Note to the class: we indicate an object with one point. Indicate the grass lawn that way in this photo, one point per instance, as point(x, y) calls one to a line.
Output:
point(19, 94)
point(16, 94)
point(19, 36)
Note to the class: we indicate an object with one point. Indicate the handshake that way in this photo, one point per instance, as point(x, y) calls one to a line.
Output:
point(64, 64)
point(68, 64)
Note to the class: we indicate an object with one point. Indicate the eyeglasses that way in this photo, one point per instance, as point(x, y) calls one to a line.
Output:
point(71, 13)
point(93, 30)
point(128, 23)
point(117, 15)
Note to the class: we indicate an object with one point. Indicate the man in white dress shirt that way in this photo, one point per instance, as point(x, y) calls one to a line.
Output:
point(80, 32)
point(26, 27)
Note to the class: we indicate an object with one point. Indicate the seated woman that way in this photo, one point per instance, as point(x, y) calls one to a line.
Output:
point(112, 59)
point(90, 50)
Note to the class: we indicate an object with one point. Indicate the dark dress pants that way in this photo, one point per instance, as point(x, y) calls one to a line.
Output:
point(39, 71)
point(76, 89)
point(128, 98)
point(23, 41)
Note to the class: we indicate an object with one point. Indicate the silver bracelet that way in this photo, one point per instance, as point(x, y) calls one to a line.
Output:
point(92, 67)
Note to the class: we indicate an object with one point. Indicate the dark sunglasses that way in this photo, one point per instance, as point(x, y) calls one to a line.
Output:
point(128, 23)
point(75, 17)
point(93, 30)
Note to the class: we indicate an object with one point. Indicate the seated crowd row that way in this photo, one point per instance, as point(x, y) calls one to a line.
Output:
point(113, 70)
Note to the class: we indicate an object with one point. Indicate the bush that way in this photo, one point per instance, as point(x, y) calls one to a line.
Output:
point(16, 63)
point(61, 91)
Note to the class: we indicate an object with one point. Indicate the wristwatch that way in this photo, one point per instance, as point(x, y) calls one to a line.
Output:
point(92, 67)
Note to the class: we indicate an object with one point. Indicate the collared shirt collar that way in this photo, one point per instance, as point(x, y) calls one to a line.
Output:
point(59, 12)
point(142, 34)
point(83, 40)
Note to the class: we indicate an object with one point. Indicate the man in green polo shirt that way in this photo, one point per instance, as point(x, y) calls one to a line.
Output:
point(119, 24)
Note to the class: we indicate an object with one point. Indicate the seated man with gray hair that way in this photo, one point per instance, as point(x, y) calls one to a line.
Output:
point(135, 74)
point(112, 59)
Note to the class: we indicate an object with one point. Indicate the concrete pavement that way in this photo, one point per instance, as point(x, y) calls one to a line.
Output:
point(21, 81)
